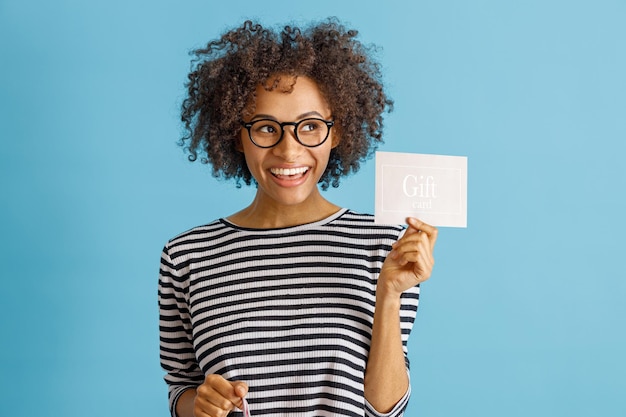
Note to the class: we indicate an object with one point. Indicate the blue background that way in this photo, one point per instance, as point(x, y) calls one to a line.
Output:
point(525, 312)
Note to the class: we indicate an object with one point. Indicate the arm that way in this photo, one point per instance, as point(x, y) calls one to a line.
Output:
point(177, 356)
point(184, 405)
point(190, 393)
point(386, 378)
point(408, 264)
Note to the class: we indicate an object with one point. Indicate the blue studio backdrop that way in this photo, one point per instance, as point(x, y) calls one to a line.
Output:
point(524, 315)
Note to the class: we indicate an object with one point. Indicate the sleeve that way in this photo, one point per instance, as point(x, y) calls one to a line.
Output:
point(408, 312)
point(175, 331)
point(397, 410)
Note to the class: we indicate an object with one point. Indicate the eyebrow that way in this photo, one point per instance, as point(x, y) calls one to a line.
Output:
point(300, 117)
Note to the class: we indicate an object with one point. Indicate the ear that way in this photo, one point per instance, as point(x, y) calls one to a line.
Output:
point(336, 139)
point(238, 145)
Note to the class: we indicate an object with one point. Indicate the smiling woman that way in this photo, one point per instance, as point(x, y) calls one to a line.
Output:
point(293, 304)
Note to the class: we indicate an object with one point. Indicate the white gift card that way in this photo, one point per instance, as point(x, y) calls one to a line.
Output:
point(432, 188)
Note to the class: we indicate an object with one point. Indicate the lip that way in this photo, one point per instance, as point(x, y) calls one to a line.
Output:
point(290, 176)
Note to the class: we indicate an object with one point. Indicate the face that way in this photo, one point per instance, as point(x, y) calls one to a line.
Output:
point(288, 173)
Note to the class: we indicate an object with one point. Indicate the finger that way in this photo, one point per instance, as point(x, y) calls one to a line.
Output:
point(210, 402)
point(407, 256)
point(415, 252)
point(424, 265)
point(206, 409)
point(427, 244)
point(210, 406)
point(221, 393)
point(419, 241)
point(228, 389)
point(241, 390)
point(416, 223)
point(409, 240)
point(410, 230)
point(413, 234)
point(419, 225)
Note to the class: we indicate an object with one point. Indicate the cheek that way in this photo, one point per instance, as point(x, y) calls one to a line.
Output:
point(253, 156)
point(323, 158)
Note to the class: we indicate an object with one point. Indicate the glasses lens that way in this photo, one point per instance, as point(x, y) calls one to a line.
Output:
point(265, 132)
point(312, 132)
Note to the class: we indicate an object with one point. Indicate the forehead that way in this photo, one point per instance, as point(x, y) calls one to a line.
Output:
point(286, 97)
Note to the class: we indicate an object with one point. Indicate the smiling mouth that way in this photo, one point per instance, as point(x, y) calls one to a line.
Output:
point(289, 173)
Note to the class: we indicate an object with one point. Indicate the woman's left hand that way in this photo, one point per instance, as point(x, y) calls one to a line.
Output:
point(411, 260)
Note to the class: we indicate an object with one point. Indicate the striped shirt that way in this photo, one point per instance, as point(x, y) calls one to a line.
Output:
point(289, 311)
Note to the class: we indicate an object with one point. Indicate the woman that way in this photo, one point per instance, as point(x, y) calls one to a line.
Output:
point(293, 304)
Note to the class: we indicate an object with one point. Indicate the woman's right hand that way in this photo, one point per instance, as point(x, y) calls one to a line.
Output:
point(217, 397)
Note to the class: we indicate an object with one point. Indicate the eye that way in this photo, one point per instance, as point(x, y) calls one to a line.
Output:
point(264, 127)
point(309, 126)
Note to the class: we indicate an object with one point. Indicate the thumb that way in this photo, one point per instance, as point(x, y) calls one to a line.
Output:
point(240, 388)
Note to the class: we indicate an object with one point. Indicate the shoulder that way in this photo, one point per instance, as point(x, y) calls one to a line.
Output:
point(362, 227)
point(198, 237)
point(356, 220)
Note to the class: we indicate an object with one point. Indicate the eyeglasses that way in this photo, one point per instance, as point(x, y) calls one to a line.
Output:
point(266, 133)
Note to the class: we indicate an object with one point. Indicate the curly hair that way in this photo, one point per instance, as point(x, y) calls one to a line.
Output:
point(225, 74)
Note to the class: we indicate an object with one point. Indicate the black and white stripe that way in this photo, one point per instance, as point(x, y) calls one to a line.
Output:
point(289, 311)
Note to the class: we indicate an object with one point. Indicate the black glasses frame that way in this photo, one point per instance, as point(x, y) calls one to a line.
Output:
point(248, 126)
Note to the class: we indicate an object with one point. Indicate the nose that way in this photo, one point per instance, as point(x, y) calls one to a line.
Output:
point(289, 147)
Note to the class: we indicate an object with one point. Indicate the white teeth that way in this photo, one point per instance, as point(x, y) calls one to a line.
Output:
point(289, 171)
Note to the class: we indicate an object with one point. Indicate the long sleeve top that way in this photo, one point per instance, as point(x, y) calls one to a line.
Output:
point(289, 311)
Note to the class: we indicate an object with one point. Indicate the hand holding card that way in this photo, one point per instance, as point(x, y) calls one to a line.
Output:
point(432, 188)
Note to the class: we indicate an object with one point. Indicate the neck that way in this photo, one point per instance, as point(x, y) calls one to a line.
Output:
point(262, 214)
